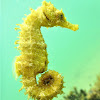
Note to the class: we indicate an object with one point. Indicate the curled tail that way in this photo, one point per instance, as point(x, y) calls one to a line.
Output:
point(49, 85)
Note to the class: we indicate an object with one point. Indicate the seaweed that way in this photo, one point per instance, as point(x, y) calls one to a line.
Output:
point(92, 94)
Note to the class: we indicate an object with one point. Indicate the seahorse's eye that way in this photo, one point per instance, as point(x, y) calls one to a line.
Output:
point(61, 16)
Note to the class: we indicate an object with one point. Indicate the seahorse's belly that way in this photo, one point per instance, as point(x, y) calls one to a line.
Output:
point(33, 58)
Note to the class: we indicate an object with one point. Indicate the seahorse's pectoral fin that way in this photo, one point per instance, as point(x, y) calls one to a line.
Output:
point(69, 25)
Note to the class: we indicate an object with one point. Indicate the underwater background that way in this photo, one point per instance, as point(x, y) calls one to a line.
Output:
point(76, 55)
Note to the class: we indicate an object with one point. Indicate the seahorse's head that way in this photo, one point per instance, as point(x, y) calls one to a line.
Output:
point(55, 17)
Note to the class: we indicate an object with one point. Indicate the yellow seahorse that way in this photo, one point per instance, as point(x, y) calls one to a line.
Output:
point(33, 59)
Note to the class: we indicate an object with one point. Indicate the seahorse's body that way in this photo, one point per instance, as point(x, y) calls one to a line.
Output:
point(33, 58)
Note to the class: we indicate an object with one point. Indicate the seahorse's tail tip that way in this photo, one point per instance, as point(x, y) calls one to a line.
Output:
point(51, 83)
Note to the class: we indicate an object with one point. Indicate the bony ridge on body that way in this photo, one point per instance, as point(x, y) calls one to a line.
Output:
point(33, 53)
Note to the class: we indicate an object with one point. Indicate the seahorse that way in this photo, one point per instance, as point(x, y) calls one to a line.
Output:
point(33, 58)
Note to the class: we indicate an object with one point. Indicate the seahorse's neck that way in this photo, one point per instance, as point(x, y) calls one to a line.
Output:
point(36, 18)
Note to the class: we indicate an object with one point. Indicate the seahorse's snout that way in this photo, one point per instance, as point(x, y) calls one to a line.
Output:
point(69, 25)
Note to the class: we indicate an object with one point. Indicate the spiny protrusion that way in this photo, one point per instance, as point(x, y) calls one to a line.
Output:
point(17, 42)
point(32, 10)
point(16, 28)
point(26, 15)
